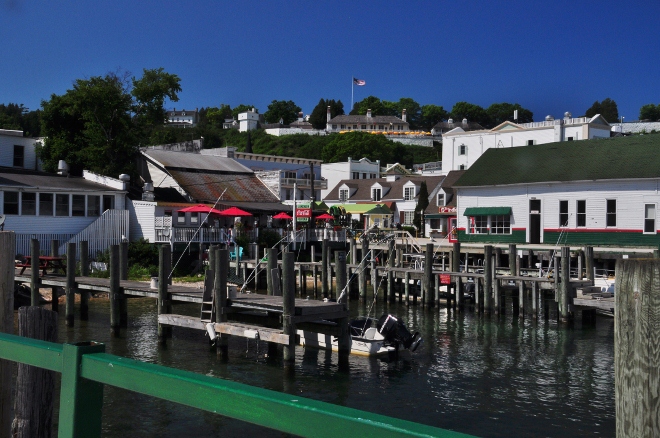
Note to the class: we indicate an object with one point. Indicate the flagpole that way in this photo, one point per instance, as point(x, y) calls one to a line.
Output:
point(352, 86)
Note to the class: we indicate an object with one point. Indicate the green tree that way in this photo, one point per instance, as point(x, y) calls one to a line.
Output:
point(607, 109)
point(471, 112)
point(216, 116)
point(432, 115)
point(422, 203)
point(357, 145)
point(284, 110)
point(318, 117)
point(15, 116)
point(371, 102)
point(649, 112)
point(413, 111)
point(501, 112)
point(242, 108)
point(99, 124)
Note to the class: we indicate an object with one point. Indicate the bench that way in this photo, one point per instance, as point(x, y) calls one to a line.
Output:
point(232, 254)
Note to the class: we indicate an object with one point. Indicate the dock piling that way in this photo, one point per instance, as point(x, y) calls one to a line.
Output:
point(362, 276)
point(123, 275)
point(288, 306)
point(391, 258)
point(114, 290)
point(84, 271)
point(220, 291)
point(35, 281)
point(70, 283)
point(164, 257)
point(428, 274)
point(7, 274)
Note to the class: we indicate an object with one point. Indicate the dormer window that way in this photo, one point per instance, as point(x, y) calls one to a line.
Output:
point(409, 193)
point(343, 195)
point(441, 199)
point(376, 194)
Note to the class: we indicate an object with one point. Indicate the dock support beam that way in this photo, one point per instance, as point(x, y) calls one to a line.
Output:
point(488, 278)
point(288, 307)
point(513, 258)
point(7, 275)
point(565, 286)
point(220, 291)
point(84, 271)
point(324, 268)
point(342, 296)
point(123, 275)
point(391, 258)
point(164, 305)
point(428, 274)
point(589, 262)
point(270, 266)
point(70, 283)
point(362, 277)
point(114, 290)
point(35, 281)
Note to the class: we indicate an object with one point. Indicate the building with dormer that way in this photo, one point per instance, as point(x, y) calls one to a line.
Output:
point(183, 118)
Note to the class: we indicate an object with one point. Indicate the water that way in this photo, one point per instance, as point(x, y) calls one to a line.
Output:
point(479, 375)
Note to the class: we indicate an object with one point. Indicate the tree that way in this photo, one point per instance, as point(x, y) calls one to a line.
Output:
point(422, 203)
point(649, 112)
point(413, 111)
point(242, 109)
point(216, 116)
point(284, 110)
point(319, 115)
point(99, 124)
point(471, 112)
point(15, 116)
point(357, 145)
point(607, 109)
point(432, 115)
point(501, 112)
point(371, 102)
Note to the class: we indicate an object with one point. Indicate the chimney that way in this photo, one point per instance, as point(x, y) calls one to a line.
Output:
point(329, 116)
point(465, 121)
point(403, 115)
point(369, 113)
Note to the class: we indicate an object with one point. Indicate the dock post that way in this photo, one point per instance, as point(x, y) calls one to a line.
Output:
point(362, 278)
point(114, 290)
point(580, 257)
point(288, 307)
point(84, 271)
point(391, 258)
point(428, 274)
point(35, 281)
point(565, 285)
point(340, 272)
point(314, 272)
point(589, 262)
point(55, 252)
point(324, 268)
point(535, 300)
point(164, 257)
point(513, 258)
point(70, 283)
point(488, 279)
point(406, 287)
point(498, 259)
point(478, 289)
point(636, 357)
point(456, 257)
point(220, 291)
point(271, 265)
point(353, 250)
point(344, 344)
point(521, 299)
point(496, 293)
point(458, 301)
point(436, 290)
point(123, 275)
point(7, 275)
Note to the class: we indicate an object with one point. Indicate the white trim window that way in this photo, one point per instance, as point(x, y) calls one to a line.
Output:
point(409, 193)
point(343, 195)
point(376, 194)
point(563, 214)
point(180, 217)
point(462, 150)
point(500, 224)
point(649, 219)
point(610, 213)
point(408, 217)
point(441, 199)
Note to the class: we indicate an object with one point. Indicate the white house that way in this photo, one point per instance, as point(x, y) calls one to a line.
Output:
point(594, 192)
point(351, 169)
point(17, 151)
point(248, 120)
point(183, 118)
point(460, 148)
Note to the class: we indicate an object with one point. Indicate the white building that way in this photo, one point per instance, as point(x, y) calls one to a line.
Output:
point(597, 192)
point(248, 120)
point(17, 151)
point(351, 169)
point(460, 149)
point(183, 118)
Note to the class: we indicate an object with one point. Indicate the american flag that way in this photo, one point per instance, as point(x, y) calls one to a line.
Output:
point(360, 82)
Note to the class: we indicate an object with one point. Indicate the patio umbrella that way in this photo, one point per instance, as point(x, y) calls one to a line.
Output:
point(282, 216)
point(325, 216)
point(234, 211)
point(200, 208)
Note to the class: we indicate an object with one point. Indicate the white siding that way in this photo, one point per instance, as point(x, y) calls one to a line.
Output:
point(142, 214)
point(7, 143)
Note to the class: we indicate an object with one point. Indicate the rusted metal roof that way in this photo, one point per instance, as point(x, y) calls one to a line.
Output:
point(193, 161)
point(207, 186)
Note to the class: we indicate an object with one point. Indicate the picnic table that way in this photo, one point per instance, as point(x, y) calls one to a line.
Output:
point(45, 263)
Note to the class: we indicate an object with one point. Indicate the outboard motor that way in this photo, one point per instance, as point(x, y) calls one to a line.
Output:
point(395, 332)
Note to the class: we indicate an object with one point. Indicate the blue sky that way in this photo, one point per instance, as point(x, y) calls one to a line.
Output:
point(548, 56)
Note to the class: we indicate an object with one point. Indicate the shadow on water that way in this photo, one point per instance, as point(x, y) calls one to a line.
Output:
point(495, 376)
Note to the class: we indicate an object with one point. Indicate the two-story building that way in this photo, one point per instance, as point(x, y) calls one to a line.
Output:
point(367, 123)
point(18, 151)
point(351, 169)
point(183, 118)
point(460, 148)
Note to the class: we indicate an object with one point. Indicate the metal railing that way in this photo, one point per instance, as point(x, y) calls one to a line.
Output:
point(86, 368)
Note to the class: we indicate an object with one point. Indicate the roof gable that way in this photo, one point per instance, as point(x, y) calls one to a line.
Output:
point(507, 126)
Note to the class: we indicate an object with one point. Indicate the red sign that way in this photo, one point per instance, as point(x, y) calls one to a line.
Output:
point(446, 209)
point(304, 212)
point(445, 279)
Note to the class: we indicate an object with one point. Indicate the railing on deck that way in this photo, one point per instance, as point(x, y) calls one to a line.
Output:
point(86, 368)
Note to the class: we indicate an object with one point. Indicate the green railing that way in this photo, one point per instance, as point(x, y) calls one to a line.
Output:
point(86, 368)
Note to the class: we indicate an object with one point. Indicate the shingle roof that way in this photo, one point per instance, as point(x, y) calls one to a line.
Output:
point(357, 119)
point(598, 159)
point(363, 192)
point(19, 178)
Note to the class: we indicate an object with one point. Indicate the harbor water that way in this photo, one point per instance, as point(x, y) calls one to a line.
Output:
point(486, 376)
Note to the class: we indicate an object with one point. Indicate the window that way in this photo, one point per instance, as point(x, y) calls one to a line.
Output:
point(343, 195)
point(180, 217)
point(649, 218)
point(569, 139)
point(61, 205)
point(375, 194)
point(462, 149)
point(363, 127)
point(364, 176)
point(563, 213)
point(441, 199)
point(581, 213)
point(19, 156)
point(343, 127)
point(194, 218)
point(408, 217)
point(290, 175)
point(500, 224)
point(610, 216)
point(356, 175)
point(354, 126)
point(334, 126)
point(372, 175)
point(45, 204)
point(28, 204)
point(480, 224)
point(108, 202)
point(77, 205)
point(461, 167)
point(408, 193)
point(531, 142)
point(381, 127)
point(93, 206)
point(11, 203)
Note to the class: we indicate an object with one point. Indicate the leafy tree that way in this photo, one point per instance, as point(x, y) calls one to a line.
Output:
point(216, 116)
point(422, 203)
point(15, 116)
point(471, 112)
point(319, 114)
point(242, 109)
point(607, 108)
point(413, 111)
point(500, 112)
point(358, 144)
point(431, 115)
point(284, 110)
point(371, 102)
point(99, 124)
point(649, 112)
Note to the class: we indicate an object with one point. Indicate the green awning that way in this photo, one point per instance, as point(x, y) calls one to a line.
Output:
point(487, 211)
point(435, 216)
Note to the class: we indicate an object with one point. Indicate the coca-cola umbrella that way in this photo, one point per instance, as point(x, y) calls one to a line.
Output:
point(200, 208)
point(282, 215)
point(325, 216)
point(234, 211)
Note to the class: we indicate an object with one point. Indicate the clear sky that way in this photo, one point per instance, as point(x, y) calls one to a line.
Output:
point(548, 56)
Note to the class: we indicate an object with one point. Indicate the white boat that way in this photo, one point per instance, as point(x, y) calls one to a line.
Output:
point(389, 338)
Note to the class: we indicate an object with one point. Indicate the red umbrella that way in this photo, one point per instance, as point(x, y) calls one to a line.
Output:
point(200, 208)
point(282, 216)
point(325, 216)
point(234, 211)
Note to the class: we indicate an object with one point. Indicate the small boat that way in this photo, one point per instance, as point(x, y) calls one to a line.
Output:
point(388, 337)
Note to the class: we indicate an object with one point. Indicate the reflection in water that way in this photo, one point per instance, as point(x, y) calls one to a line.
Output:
point(481, 375)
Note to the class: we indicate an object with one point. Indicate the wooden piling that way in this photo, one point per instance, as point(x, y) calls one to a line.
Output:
point(456, 257)
point(535, 300)
point(459, 294)
point(35, 281)
point(391, 258)
point(589, 263)
point(164, 305)
point(288, 306)
point(488, 278)
point(220, 294)
point(70, 290)
point(513, 258)
point(362, 277)
point(123, 275)
point(340, 272)
point(564, 291)
point(114, 290)
point(324, 268)
point(636, 353)
point(7, 273)
point(84, 271)
point(270, 266)
point(521, 298)
point(406, 287)
point(344, 344)
point(428, 274)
